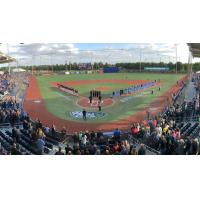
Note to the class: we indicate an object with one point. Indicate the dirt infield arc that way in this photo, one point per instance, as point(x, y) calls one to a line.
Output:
point(39, 111)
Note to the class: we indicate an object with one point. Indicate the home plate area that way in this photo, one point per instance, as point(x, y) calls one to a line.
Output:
point(85, 102)
point(95, 103)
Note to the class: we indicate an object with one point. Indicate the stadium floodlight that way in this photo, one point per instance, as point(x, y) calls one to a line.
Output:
point(8, 52)
point(33, 60)
point(190, 57)
point(17, 59)
point(176, 57)
point(140, 59)
point(51, 61)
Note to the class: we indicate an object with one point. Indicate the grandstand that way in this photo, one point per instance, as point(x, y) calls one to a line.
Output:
point(172, 131)
point(195, 49)
point(5, 59)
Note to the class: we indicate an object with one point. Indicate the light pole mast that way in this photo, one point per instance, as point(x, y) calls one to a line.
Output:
point(8, 51)
point(176, 58)
point(51, 57)
point(190, 63)
point(140, 60)
point(33, 63)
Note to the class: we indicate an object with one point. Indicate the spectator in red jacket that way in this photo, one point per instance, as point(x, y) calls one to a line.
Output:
point(134, 130)
point(116, 148)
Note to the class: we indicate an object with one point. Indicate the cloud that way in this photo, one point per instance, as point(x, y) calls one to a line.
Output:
point(34, 49)
point(43, 53)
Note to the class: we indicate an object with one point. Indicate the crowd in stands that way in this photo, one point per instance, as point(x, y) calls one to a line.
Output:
point(168, 134)
point(6, 83)
point(10, 111)
point(96, 143)
point(40, 139)
point(24, 136)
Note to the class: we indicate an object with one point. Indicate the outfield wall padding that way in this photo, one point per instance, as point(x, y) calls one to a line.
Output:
point(110, 69)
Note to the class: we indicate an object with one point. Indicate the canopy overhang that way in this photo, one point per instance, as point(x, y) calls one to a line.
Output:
point(194, 49)
point(5, 59)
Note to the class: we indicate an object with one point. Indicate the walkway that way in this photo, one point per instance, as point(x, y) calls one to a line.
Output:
point(190, 92)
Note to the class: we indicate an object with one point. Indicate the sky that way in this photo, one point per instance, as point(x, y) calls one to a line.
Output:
point(61, 53)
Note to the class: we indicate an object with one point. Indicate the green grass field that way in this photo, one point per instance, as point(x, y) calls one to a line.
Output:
point(61, 104)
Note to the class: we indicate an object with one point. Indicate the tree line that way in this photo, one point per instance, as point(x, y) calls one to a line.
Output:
point(181, 67)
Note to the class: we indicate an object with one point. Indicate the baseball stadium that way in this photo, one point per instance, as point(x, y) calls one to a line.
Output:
point(94, 99)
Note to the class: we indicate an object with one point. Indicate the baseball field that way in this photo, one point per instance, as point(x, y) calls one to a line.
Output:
point(44, 100)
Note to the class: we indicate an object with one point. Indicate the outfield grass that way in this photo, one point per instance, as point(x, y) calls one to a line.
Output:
point(61, 104)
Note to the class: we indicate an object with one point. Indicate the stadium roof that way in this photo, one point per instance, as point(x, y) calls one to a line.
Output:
point(195, 49)
point(5, 59)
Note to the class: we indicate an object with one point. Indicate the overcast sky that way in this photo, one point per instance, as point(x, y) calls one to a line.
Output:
point(60, 53)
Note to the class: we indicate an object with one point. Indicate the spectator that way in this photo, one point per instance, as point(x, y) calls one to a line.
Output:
point(16, 135)
point(14, 150)
point(98, 152)
point(84, 140)
point(135, 130)
point(1, 150)
point(116, 148)
point(53, 130)
point(40, 146)
point(194, 147)
point(107, 152)
point(124, 150)
point(180, 150)
point(67, 149)
point(59, 152)
point(47, 130)
point(40, 134)
point(64, 132)
point(142, 150)
point(117, 134)
point(38, 124)
point(133, 151)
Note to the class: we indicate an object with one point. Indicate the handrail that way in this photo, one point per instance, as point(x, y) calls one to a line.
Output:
point(9, 125)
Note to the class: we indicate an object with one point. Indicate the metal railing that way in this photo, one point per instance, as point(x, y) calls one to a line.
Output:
point(137, 141)
point(9, 125)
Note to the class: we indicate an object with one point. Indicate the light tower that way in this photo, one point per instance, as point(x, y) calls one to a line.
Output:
point(176, 45)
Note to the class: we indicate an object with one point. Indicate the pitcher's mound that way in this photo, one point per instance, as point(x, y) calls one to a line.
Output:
point(84, 102)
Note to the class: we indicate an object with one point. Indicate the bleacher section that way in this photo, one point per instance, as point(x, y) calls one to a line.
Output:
point(26, 146)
